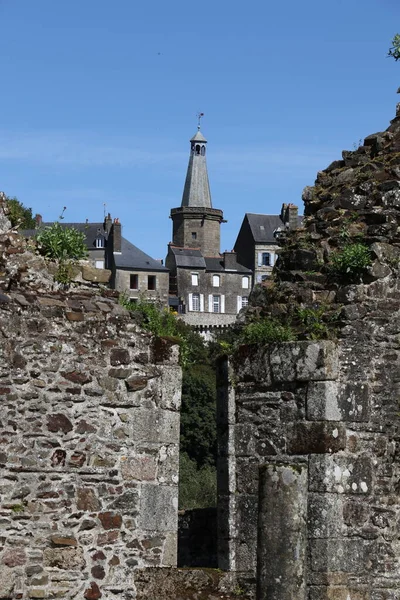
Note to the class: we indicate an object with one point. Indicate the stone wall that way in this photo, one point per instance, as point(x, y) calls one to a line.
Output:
point(321, 417)
point(88, 448)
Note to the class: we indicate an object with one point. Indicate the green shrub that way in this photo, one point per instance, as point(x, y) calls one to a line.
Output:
point(61, 243)
point(197, 486)
point(350, 263)
point(266, 331)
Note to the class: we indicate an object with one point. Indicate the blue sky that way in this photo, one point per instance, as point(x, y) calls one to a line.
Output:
point(99, 99)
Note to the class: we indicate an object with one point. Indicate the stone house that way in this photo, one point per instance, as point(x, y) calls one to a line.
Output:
point(208, 288)
point(257, 243)
point(132, 270)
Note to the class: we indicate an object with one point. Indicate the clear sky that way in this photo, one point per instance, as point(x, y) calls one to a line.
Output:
point(99, 100)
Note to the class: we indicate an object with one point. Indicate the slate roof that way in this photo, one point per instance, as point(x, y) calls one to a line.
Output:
point(263, 227)
point(198, 137)
point(216, 264)
point(188, 257)
point(132, 257)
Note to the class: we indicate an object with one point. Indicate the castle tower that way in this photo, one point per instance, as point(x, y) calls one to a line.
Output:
point(195, 223)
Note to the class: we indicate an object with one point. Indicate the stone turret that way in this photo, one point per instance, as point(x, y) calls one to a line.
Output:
point(195, 223)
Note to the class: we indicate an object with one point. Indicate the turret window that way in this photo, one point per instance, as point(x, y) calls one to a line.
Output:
point(203, 150)
point(197, 148)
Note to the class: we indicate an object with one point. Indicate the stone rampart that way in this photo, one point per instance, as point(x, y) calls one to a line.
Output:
point(321, 420)
point(88, 449)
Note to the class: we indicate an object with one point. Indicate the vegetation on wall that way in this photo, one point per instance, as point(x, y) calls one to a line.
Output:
point(66, 245)
point(350, 263)
point(19, 215)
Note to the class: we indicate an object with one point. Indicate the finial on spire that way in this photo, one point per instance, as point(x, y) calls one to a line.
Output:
point(199, 115)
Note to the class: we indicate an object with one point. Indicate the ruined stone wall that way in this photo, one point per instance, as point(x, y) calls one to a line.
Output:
point(322, 417)
point(88, 448)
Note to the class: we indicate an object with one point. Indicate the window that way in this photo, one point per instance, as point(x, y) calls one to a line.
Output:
point(266, 259)
point(194, 235)
point(264, 277)
point(100, 242)
point(99, 264)
point(195, 279)
point(151, 282)
point(196, 302)
point(216, 304)
point(245, 301)
point(245, 283)
point(134, 282)
point(215, 281)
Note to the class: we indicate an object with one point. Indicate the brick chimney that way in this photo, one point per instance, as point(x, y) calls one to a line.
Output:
point(230, 261)
point(116, 236)
point(289, 215)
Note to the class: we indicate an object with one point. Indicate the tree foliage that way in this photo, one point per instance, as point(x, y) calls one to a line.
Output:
point(394, 50)
point(198, 486)
point(198, 414)
point(19, 215)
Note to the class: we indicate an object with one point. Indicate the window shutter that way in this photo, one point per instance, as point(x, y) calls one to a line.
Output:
point(259, 259)
point(190, 301)
point(210, 303)
point(201, 302)
point(222, 304)
point(239, 303)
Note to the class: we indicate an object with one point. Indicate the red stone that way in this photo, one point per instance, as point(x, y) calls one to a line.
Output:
point(99, 555)
point(109, 537)
point(87, 500)
point(58, 422)
point(93, 593)
point(77, 377)
point(98, 572)
point(110, 520)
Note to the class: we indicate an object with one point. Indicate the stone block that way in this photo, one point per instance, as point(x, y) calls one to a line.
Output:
point(324, 515)
point(170, 388)
point(251, 364)
point(346, 555)
point(338, 593)
point(158, 508)
point(323, 401)
point(155, 425)
point(340, 474)
point(304, 361)
point(316, 437)
point(64, 558)
point(244, 440)
point(354, 401)
point(140, 468)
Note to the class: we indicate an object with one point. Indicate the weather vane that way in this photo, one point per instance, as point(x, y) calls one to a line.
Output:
point(199, 115)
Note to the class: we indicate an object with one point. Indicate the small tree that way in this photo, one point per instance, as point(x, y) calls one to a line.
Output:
point(19, 215)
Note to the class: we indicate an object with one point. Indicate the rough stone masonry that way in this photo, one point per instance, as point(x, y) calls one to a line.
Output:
point(89, 439)
point(309, 468)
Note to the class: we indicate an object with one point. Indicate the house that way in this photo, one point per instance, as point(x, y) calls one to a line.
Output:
point(132, 271)
point(257, 243)
point(208, 288)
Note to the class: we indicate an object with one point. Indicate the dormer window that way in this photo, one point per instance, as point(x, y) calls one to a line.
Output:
point(100, 242)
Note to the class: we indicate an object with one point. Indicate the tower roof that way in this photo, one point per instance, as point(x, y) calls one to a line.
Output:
point(198, 137)
point(197, 188)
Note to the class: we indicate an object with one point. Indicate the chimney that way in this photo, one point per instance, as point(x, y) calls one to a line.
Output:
point(289, 215)
point(107, 223)
point(116, 236)
point(38, 219)
point(230, 261)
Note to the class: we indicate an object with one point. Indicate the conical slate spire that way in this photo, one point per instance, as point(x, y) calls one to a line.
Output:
point(197, 188)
